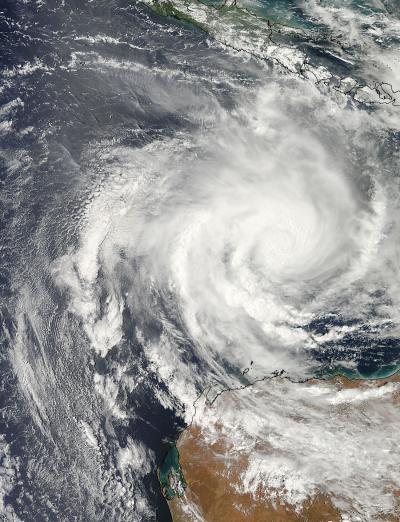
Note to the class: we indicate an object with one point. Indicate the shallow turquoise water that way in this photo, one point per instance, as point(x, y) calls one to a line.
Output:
point(381, 373)
point(290, 12)
point(283, 11)
point(171, 466)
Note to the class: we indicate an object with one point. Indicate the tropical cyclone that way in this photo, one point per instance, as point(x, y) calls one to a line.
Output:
point(261, 231)
point(198, 210)
point(266, 235)
point(264, 239)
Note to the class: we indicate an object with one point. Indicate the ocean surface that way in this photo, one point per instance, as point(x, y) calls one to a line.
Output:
point(192, 194)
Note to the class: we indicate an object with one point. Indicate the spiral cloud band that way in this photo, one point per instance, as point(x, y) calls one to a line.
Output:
point(199, 248)
point(243, 236)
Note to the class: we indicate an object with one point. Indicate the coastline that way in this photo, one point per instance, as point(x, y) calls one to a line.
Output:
point(206, 485)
